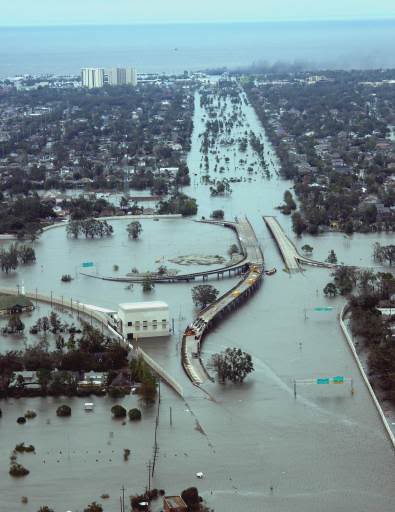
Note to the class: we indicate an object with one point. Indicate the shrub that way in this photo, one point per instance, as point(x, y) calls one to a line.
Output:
point(24, 500)
point(134, 414)
point(22, 448)
point(21, 420)
point(191, 497)
point(126, 453)
point(118, 411)
point(63, 410)
point(29, 415)
point(94, 507)
point(115, 392)
point(66, 278)
point(217, 214)
point(18, 470)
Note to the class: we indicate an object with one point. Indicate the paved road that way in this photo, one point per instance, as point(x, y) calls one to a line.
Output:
point(229, 270)
point(194, 334)
point(287, 248)
point(289, 253)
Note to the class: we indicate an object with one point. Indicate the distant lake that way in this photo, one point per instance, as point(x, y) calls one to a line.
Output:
point(177, 47)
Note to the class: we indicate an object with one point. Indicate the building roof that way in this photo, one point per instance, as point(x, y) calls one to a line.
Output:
point(175, 501)
point(143, 306)
point(12, 301)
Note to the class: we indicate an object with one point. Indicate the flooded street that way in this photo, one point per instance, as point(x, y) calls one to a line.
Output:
point(258, 447)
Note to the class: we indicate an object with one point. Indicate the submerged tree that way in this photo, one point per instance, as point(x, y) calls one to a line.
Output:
point(307, 248)
point(298, 224)
point(94, 507)
point(330, 289)
point(90, 228)
point(332, 258)
point(147, 284)
point(233, 364)
point(345, 278)
point(204, 294)
point(15, 325)
point(383, 253)
point(9, 258)
point(134, 229)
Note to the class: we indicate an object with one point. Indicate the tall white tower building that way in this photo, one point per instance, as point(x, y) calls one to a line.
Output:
point(92, 77)
point(117, 76)
point(131, 76)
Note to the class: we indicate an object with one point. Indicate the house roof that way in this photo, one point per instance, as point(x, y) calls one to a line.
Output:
point(174, 501)
point(12, 301)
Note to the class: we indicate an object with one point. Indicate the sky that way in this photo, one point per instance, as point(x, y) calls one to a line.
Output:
point(102, 12)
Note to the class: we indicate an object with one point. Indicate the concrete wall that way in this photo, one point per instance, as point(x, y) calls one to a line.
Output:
point(351, 345)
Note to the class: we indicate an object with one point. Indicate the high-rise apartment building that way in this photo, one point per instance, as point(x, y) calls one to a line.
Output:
point(92, 77)
point(117, 76)
point(131, 76)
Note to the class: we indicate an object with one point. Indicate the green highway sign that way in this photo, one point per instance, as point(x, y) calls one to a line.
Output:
point(87, 264)
point(338, 380)
point(324, 308)
point(323, 381)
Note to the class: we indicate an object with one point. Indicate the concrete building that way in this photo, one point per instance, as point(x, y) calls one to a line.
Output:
point(92, 77)
point(117, 76)
point(137, 320)
point(131, 76)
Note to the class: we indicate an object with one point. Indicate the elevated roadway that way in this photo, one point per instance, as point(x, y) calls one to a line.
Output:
point(289, 253)
point(242, 232)
point(226, 304)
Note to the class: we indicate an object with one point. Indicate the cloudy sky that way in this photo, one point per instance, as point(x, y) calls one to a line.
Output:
point(65, 12)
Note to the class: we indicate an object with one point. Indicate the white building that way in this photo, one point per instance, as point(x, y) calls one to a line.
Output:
point(117, 76)
point(143, 319)
point(92, 77)
point(131, 76)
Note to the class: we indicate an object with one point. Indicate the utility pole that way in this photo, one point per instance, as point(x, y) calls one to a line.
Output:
point(149, 476)
point(123, 499)
point(171, 417)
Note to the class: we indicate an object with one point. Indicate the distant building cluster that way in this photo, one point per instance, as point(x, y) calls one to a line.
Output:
point(98, 77)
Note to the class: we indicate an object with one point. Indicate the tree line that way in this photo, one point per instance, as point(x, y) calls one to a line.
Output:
point(15, 255)
point(90, 228)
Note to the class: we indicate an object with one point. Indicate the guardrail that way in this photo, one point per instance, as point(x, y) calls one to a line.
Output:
point(364, 376)
point(161, 372)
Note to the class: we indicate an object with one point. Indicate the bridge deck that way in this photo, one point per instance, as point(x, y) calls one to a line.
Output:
point(287, 248)
point(242, 231)
point(194, 334)
point(289, 253)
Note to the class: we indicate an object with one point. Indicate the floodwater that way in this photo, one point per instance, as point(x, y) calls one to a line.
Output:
point(258, 446)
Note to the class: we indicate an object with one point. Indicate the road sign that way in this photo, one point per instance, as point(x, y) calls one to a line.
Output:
point(325, 308)
point(323, 381)
point(87, 264)
point(338, 380)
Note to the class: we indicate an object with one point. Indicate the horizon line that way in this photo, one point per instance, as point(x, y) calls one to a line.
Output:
point(203, 22)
